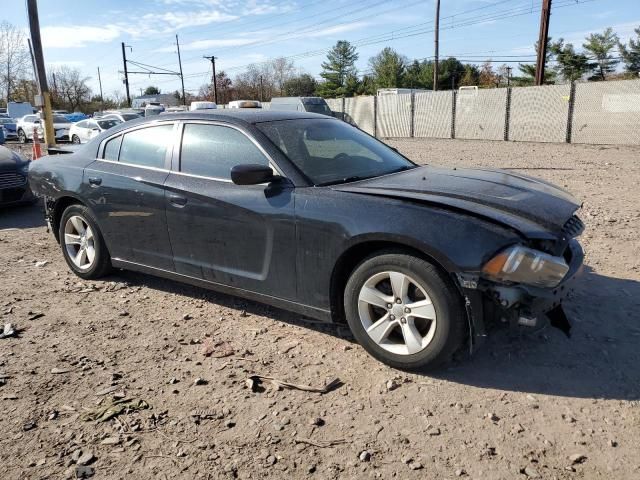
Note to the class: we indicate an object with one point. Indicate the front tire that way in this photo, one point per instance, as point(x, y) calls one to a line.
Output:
point(82, 243)
point(75, 139)
point(22, 137)
point(404, 311)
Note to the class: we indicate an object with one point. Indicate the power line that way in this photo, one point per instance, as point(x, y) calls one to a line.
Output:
point(415, 30)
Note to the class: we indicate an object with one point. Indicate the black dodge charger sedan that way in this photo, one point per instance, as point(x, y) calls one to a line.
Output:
point(310, 214)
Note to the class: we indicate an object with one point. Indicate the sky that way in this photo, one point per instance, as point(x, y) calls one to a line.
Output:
point(88, 34)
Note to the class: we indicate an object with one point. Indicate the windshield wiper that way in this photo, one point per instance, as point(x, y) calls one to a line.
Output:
point(353, 178)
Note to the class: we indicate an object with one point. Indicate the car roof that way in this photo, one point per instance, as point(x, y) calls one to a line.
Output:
point(237, 116)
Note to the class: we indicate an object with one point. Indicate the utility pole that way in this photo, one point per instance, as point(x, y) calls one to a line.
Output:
point(213, 79)
point(184, 99)
point(55, 85)
point(261, 90)
point(101, 97)
point(126, 75)
point(542, 41)
point(436, 47)
point(41, 74)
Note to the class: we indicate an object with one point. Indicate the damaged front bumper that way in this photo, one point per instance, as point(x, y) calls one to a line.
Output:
point(519, 304)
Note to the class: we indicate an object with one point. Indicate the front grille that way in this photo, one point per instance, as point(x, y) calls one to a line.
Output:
point(12, 195)
point(12, 180)
point(573, 227)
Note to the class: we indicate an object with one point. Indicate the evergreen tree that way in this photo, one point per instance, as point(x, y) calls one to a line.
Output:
point(631, 54)
point(470, 76)
point(151, 90)
point(338, 70)
point(388, 68)
point(570, 66)
point(300, 86)
point(600, 46)
point(451, 73)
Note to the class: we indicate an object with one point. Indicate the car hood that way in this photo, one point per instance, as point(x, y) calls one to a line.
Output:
point(533, 206)
point(10, 161)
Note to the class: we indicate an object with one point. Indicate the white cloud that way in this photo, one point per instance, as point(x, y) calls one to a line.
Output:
point(76, 36)
point(66, 63)
point(171, 21)
point(205, 44)
point(325, 32)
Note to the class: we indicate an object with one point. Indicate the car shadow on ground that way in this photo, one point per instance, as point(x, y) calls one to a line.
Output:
point(22, 216)
point(230, 301)
point(600, 360)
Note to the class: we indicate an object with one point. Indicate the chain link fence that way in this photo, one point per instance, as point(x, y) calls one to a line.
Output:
point(594, 113)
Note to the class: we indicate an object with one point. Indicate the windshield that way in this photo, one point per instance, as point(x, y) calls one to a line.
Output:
point(318, 108)
point(330, 151)
point(130, 116)
point(60, 119)
point(107, 124)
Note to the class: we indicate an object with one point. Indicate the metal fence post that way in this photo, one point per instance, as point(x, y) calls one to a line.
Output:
point(507, 116)
point(413, 114)
point(572, 101)
point(454, 95)
point(343, 116)
point(375, 116)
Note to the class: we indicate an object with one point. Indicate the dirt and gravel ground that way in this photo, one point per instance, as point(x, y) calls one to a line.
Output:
point(535, 405)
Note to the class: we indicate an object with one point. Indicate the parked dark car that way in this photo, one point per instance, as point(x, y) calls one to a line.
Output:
point(8, 127)
point(305, 212)
point(14, 186)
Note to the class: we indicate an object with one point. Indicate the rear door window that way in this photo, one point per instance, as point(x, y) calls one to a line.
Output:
point(213, 150)
point(147, 147)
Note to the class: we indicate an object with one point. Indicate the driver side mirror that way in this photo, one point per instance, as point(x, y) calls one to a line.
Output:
point(251, 174)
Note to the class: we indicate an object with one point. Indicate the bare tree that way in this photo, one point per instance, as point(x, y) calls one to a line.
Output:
point(70, 87)
point(256, 83)
point(282, 70)
point(14, 57)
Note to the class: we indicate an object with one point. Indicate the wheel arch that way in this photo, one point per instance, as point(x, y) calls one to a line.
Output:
point(365, 247)
point(59, 206)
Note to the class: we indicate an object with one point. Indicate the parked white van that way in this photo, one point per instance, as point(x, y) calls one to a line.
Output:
point(202, 106)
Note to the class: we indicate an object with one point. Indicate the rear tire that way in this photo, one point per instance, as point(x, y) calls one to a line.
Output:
point(404, 311)
point(82, 243)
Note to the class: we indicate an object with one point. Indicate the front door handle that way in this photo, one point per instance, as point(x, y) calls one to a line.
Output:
point(177, 200)
point(95, 181)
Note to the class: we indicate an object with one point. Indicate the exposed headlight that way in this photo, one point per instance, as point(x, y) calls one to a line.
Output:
point(519, 264)
point(25, 169)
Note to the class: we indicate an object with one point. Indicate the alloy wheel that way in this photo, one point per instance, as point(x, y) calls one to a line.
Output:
point(397, 313)
point(79, 242)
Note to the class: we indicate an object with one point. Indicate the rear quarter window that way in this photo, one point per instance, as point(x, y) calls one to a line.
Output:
point(112, 148)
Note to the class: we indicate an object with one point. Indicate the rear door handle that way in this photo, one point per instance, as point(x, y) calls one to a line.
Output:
point(177, 200)
point(95, 181)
